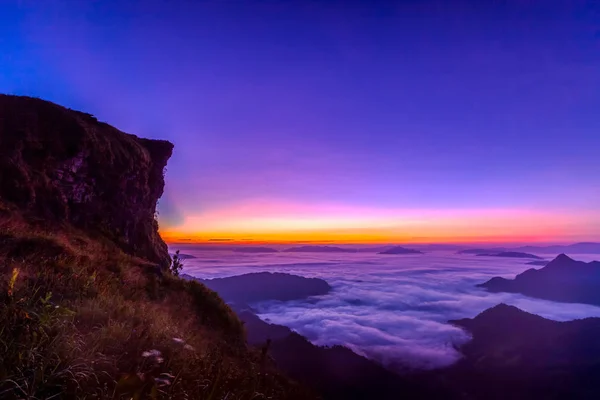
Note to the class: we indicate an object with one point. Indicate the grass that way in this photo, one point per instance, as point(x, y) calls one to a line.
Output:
point(80, 319)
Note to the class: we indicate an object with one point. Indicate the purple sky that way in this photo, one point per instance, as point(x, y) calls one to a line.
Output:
point(390, 111)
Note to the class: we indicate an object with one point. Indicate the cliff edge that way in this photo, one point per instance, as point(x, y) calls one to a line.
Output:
point(82, 302)
point(63, 165)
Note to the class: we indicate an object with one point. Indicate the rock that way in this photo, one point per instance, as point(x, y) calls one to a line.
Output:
point(61, 165)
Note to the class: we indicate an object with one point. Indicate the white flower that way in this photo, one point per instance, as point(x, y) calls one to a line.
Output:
point(178, 340)
point(188, 347)
point(151, 353)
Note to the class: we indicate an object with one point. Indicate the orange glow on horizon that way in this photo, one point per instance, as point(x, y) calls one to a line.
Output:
point(279, 222)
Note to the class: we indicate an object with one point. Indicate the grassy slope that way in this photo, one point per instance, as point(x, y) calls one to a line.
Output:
point(78, 318)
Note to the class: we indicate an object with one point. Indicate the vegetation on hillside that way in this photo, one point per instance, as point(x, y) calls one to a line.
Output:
point(89, 308)
point(81, 319)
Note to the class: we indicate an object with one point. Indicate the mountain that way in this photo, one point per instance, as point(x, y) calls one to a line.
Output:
point(319, 249)
point(400, 250)
point(255, 249)
point(373, 249)
point(260, 286)
point(480, 251)
point(517, 355)
point(511, 254)
point(562, 279)
point(576, 248)
point(61, 165)
point(88, 305)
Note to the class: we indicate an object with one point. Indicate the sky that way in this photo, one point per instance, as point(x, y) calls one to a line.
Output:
point(354, 121)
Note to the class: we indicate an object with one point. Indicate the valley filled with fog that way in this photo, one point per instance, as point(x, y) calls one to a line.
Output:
point(391, 308)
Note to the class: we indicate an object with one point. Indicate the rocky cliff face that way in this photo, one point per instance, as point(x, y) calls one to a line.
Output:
point(64, 166)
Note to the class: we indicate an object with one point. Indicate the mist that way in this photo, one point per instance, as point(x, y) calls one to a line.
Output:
point(392, 309)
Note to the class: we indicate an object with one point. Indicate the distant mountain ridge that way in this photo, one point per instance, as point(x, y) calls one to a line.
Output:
point(261, 286)
point(400, 250)
point(320, 249)
point(562, 279)
point(481, 251)
point(255, 249)
point(510, 254)
point(575, 248)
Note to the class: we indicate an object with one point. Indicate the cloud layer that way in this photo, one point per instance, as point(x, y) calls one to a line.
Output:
point(393, 309)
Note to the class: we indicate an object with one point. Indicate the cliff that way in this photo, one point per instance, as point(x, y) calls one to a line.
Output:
point(85, 313)
point(61, 165)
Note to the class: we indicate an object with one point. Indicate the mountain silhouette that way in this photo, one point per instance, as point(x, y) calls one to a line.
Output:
point(510, 254)
point(563, 279)
point(261, 286)
point(255, 249)
point(400, 250)
point(517, 355)
point(319, 249)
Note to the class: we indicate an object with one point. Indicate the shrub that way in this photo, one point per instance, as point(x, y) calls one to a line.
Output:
point(176, 264)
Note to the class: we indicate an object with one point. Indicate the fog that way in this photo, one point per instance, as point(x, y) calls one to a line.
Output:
point(393, 309)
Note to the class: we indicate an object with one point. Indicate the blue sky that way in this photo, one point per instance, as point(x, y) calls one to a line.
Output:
point(375, 107)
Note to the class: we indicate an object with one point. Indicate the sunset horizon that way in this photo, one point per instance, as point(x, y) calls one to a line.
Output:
point(288, 222)
point(300, 200)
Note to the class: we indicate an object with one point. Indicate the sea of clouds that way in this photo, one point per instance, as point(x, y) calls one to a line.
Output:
point(391, 308)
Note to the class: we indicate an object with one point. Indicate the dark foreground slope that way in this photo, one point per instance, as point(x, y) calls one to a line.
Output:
point(87, 308)
point(518, 355)
point(562, 279)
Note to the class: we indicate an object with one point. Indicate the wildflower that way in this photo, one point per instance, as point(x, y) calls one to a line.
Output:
point(178, 340)
point(188, 347)
point(159, 360)
point(13, 279)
